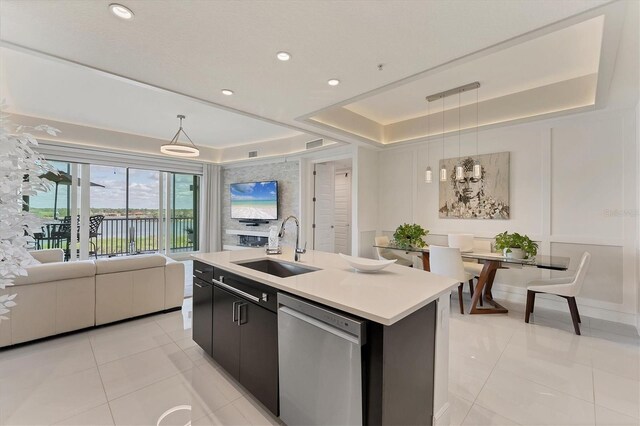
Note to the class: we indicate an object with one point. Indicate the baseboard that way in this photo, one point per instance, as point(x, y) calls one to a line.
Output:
point(518, 295)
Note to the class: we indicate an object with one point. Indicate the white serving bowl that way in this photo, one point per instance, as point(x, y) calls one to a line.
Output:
point(366, 265)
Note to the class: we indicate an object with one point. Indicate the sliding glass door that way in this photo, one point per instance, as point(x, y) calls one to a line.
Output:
point(124, 209)
point(56, 203)
point(185, 202)
point(129, 211)
point(142, 210)
point(108, 203)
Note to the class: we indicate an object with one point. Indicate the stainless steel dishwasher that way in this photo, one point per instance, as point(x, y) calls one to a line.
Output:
point(320, 364)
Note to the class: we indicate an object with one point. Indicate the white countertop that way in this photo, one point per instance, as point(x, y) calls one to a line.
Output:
point(385, 297)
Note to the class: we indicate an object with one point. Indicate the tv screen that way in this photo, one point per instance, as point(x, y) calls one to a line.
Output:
point(254, 200)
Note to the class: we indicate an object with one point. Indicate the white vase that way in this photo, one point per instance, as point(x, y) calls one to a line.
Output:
point(514, 253)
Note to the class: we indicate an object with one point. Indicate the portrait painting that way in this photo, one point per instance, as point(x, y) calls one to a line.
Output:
point(484, 197)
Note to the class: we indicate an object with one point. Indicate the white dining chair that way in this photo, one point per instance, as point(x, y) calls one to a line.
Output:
point(482, 246)
point(387, 254)
point(475, 268)
point(467, 243)
point(566, 287)
point(448, 262)
point(463, 242)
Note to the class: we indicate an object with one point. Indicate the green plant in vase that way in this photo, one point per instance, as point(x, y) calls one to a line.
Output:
point(516, 246)
point(407, 236)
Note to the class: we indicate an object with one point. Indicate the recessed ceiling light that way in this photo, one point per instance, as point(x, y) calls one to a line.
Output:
point(227, 92)
point(333, 82)
point(121, 11)
point(283, 56)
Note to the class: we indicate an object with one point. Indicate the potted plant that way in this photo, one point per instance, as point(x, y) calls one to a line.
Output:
point(17, 159)
point(407, 236)
point(516, 246)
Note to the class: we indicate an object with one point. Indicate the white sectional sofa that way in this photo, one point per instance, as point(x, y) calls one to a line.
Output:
point(56, 297)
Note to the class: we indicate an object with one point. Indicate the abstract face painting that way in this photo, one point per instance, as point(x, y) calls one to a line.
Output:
point(486, 197)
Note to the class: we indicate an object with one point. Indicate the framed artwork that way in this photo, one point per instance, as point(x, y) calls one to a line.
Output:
point(469, 198)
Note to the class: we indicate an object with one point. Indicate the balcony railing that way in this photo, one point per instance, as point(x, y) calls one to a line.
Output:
point(115, 235)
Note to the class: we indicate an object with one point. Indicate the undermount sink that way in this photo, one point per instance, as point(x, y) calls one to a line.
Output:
point(273, 267)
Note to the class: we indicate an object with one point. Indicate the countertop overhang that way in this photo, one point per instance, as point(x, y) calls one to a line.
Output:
point(385, 297)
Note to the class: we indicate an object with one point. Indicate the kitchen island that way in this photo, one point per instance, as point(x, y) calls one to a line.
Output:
point(404, 346)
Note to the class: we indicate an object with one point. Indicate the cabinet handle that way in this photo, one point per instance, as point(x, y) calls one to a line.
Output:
point(236, 291)
point(240, 306)
point(197, 285)
point(199, 271)
point(235, 307)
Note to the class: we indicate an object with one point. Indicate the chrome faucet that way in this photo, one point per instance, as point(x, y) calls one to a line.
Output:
point(299, 250)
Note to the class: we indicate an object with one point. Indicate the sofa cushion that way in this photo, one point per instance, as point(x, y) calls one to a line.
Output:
point(48, 272)
point(47, 256)
point(129, 263)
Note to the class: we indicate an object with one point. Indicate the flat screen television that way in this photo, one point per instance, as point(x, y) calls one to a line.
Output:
point(254, 200)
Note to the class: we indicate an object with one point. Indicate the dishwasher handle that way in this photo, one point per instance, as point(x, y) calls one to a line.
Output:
point(321, 325)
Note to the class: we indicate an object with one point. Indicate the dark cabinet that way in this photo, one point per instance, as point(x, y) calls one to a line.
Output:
point(202, 314)
point(245, 335)
point(226, 332)
point(259, 354)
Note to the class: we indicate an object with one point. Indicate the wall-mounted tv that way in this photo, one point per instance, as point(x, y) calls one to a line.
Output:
point(254, 200)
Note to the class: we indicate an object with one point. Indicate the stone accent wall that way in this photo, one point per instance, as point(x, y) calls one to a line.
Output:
point(288, 176)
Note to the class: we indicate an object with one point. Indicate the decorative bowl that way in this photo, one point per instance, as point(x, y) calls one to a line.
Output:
point(366, 265)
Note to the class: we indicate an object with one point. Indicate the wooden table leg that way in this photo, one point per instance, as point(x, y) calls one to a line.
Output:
point(483, 289)
point(425, 261)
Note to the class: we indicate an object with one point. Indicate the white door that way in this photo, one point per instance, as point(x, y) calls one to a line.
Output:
point(324, 199)
point(342, 212)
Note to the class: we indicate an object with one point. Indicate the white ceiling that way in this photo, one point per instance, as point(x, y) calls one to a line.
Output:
point(42, 87)
point(200, 47)
point(558, 56)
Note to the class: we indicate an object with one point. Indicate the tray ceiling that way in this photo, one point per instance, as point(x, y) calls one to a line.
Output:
point(196, 48)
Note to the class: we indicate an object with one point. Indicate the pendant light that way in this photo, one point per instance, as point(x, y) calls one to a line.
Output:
point(428, 174)
point(178, 149)
point(459, 168)
point(477, 169)
point(443, 169)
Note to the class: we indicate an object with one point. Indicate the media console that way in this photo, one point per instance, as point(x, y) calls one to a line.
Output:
point(247, 239)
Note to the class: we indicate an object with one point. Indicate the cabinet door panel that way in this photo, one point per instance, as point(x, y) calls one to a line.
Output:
point(259, 354)
point(202, 314)
point(226, 333)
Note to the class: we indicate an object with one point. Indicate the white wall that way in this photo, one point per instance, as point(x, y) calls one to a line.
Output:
point(365, 200)
point(573, 188)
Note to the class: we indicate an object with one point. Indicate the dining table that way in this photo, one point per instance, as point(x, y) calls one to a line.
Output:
point(492, 262)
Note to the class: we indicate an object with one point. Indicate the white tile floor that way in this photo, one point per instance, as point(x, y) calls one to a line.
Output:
point(149, 371)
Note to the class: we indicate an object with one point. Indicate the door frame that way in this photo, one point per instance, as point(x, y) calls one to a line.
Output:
point(307, 192)
point(336, 172)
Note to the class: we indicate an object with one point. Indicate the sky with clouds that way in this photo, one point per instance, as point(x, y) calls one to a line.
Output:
point(143, 189)
point(255, 191)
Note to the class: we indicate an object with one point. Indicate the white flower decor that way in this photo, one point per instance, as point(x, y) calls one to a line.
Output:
point(17, 161)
